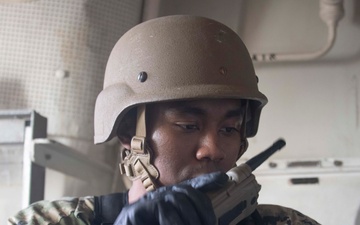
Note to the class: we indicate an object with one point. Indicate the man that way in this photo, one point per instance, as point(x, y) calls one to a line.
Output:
point(181, 94)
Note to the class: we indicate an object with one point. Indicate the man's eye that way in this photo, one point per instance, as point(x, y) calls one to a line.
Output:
point(229, 130)
point(188, 126)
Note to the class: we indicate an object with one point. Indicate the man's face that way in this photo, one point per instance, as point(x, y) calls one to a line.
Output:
point(190, 138)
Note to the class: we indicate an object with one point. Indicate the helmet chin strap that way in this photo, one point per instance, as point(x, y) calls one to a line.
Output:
point(136, 162)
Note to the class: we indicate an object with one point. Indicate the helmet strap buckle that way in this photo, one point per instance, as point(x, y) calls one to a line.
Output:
point(138, 145)
point(136, 162)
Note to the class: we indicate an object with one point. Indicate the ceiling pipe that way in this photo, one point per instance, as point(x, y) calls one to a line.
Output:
point(331, 12)
point(15, 1)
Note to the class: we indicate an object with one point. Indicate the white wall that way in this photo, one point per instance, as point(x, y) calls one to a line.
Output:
point(314, 105)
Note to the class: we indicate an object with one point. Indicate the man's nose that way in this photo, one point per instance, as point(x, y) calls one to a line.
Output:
point(209, 148)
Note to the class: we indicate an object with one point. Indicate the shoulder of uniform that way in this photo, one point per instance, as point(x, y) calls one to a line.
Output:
point(73, 210)
point(275, 214)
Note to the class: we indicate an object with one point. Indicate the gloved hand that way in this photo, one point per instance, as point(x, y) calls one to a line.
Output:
point(184, 203)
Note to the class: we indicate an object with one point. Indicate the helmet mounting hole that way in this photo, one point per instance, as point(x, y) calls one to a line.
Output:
point(223, 70)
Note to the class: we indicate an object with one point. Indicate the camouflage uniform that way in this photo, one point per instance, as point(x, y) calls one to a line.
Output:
point(80, 211)
point(67, 211)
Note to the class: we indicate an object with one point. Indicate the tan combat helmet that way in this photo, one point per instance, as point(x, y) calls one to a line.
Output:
point(167, 59)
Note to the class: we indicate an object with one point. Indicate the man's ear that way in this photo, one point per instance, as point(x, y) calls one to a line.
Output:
point(126, 129)
point(125, 140)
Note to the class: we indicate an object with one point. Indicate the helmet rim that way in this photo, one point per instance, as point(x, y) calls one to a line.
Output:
point(120, 105)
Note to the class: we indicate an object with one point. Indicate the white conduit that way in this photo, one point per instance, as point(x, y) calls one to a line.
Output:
point(331, 12)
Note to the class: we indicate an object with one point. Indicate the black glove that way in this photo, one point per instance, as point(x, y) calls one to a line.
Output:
point(184, 203)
